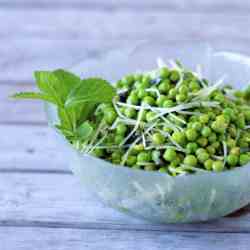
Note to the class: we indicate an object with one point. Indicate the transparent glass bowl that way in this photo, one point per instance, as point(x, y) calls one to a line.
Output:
point(151, 195)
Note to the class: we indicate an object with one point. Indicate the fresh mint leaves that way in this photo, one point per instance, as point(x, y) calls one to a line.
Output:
point(92, 90)
point(75, 99)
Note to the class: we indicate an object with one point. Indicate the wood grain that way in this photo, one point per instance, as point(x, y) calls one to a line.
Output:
point(54, 200)
point(123, 25)
point(160, 5)
point(30, 147)
point(68, 239)
point(20, 58)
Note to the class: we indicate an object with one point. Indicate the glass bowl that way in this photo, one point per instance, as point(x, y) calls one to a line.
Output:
point(156, 196)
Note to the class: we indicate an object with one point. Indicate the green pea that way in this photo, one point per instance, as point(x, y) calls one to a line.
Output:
point(169, 154)
point(232, 160)
point(202, 157)
point(164, 86)
point(142, 93)
point(121, 129)
point(194, 86)
point(231, 143)
point(208, 164)
point(197, 126)
point(174, 76)
point(158, 139)
point(244, 159)
point(163, 170)
point(191, 134)
point(149, 100)
point(202, 141)
point(206, 131)
point(216, 144)
point(131, 160)
point(179, 137)
point(235, 151)
point(150, 116)
point(130, 112)
point(212, 138)
point(98, 152)
point(160, 100)
point(218, 166)
point(168, 103)
point(172, 93)
point(241, 121)
point(191, 147)
point(211, 150)
point(181, 98)
point(183, 90)
point(204, 118)
point(190, 160)
point(146, 81)
point(110, 116)
point(119, 139)
point(138, 148)
point(164, 72)
point(144, 157)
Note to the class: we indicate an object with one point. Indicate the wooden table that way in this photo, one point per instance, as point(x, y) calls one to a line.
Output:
point(41, 203)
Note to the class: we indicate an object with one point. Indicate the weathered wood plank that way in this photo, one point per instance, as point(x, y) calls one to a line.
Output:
point(52, 200)
point(124, 25)
point(30, 147)
point(20, 58)
point(161, 5)
point(67, 239)
point(16, 111)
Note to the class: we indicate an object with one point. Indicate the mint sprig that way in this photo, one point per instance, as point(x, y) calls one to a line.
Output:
point(74, 98)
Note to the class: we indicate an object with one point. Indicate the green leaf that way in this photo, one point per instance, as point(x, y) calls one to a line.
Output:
point(50, 85)
point(91, 90)
point(67, 82)
point(33, 95)
point(84, 131)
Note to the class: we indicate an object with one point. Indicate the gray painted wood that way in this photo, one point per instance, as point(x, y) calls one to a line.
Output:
point(124, 25)
point(68, 239)
point(20, 58)
point(54, 200)
point(160, 5)
point(29, 147)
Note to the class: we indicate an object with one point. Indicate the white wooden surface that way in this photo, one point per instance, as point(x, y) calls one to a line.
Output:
point(41, 203)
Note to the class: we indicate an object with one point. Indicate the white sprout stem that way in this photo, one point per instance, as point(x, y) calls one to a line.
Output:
point(144, 141)
point(178, 118)
point(173, 109)
point(177, 170)
point(125, 157)
point(208, 90)
point(199, 71)
point(166, 134)
point(217, 157)
point(188, 112)
point(154, 91)
point(94, 137)
point(247, 127)
point(160, 62)
point(178, 84)
point(114, 125)
point(97, 144)
point(188, 167)
point(135, 127)
point(122, 91)
point(165, 147)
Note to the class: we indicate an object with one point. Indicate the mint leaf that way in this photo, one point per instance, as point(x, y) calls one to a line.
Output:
point(84, 131)
point(49, 84)
point(91, 90)
point(33, 95)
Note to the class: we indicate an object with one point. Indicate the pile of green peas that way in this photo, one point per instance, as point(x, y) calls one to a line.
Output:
point(201, 138)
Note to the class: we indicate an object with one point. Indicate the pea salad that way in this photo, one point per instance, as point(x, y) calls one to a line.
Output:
point(170, 120)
